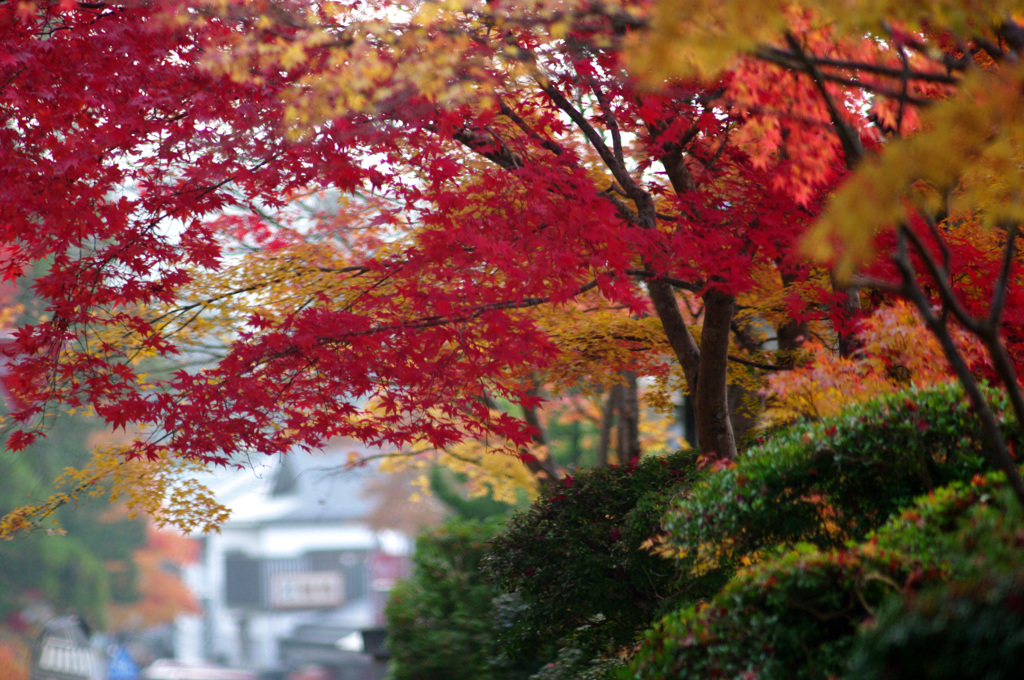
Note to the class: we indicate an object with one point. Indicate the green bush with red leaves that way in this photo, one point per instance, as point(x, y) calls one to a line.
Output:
point(846, 573)
point(792, 618)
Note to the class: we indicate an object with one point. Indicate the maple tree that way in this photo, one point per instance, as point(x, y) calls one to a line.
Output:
point(372, 211)
point(943, 202)
point(507, 201)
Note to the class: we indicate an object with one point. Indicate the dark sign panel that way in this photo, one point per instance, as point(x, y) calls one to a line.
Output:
point(275, 584)
point(307, 590)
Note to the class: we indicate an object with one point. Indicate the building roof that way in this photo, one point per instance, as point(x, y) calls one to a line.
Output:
point(299, 487)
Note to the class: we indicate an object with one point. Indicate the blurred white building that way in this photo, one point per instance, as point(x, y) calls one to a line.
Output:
point(297, 573)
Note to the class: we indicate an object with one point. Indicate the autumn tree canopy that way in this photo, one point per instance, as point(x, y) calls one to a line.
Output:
point(511, 194)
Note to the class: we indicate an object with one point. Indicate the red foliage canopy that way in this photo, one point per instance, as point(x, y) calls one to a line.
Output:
point(128, 164)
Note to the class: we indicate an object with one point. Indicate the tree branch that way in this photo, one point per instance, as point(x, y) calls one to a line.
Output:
point(758, 364)
point(548, 144)
point(1002, 283)
point(790, 60)
point(617, 169)
point(852, 147)
point(547, 465)
point(693, 287)
point(609, 117)
point(990, 431)
point(490, 147)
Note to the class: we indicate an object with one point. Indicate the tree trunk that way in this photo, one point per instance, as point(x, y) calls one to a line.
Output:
point(628, 431)
point(849, 343)
point(714, 427)
point(792, 334)
point(705, 368)
point(546, 470)
point(607, 421)
point(679, 338)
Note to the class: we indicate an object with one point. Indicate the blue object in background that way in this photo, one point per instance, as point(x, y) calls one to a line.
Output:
point(121, 665)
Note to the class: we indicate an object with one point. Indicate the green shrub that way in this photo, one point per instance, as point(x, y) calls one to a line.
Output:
point(830, 482)
point(796, 615)
point(440, 621)
point(969, 529)
point(972, 624)
point(574, 561)
point(802, 615)
point(787, 619)
point(573, 663)
point(965, 629)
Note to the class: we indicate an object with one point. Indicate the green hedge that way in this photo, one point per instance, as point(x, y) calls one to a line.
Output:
point(792, 503)
point(830, 482)
point(574, 561)
point(937, 593)
point(965, 629)
point(440, 621)
point(792, 618)
point(969, 529)
point(972, 624)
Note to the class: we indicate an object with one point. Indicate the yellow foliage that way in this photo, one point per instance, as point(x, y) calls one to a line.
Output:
point(165, 489)
point(706, 557)
point(501, 475)
point(490, 467)
point(968, 159)
point(703, 37)
point(659, 545)
point(9, 315)
point(654, 427)
point(494, 468)
point(597, 342)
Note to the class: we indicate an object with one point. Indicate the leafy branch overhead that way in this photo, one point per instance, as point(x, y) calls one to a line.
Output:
point(271, 224)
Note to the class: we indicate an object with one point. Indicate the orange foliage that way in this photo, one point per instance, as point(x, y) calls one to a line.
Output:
point(14, 659)
point(897, 352)
point(163, 595)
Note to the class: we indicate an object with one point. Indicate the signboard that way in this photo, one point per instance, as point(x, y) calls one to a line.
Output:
point(386, 569)
point(306, 590)
point(63, 652)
